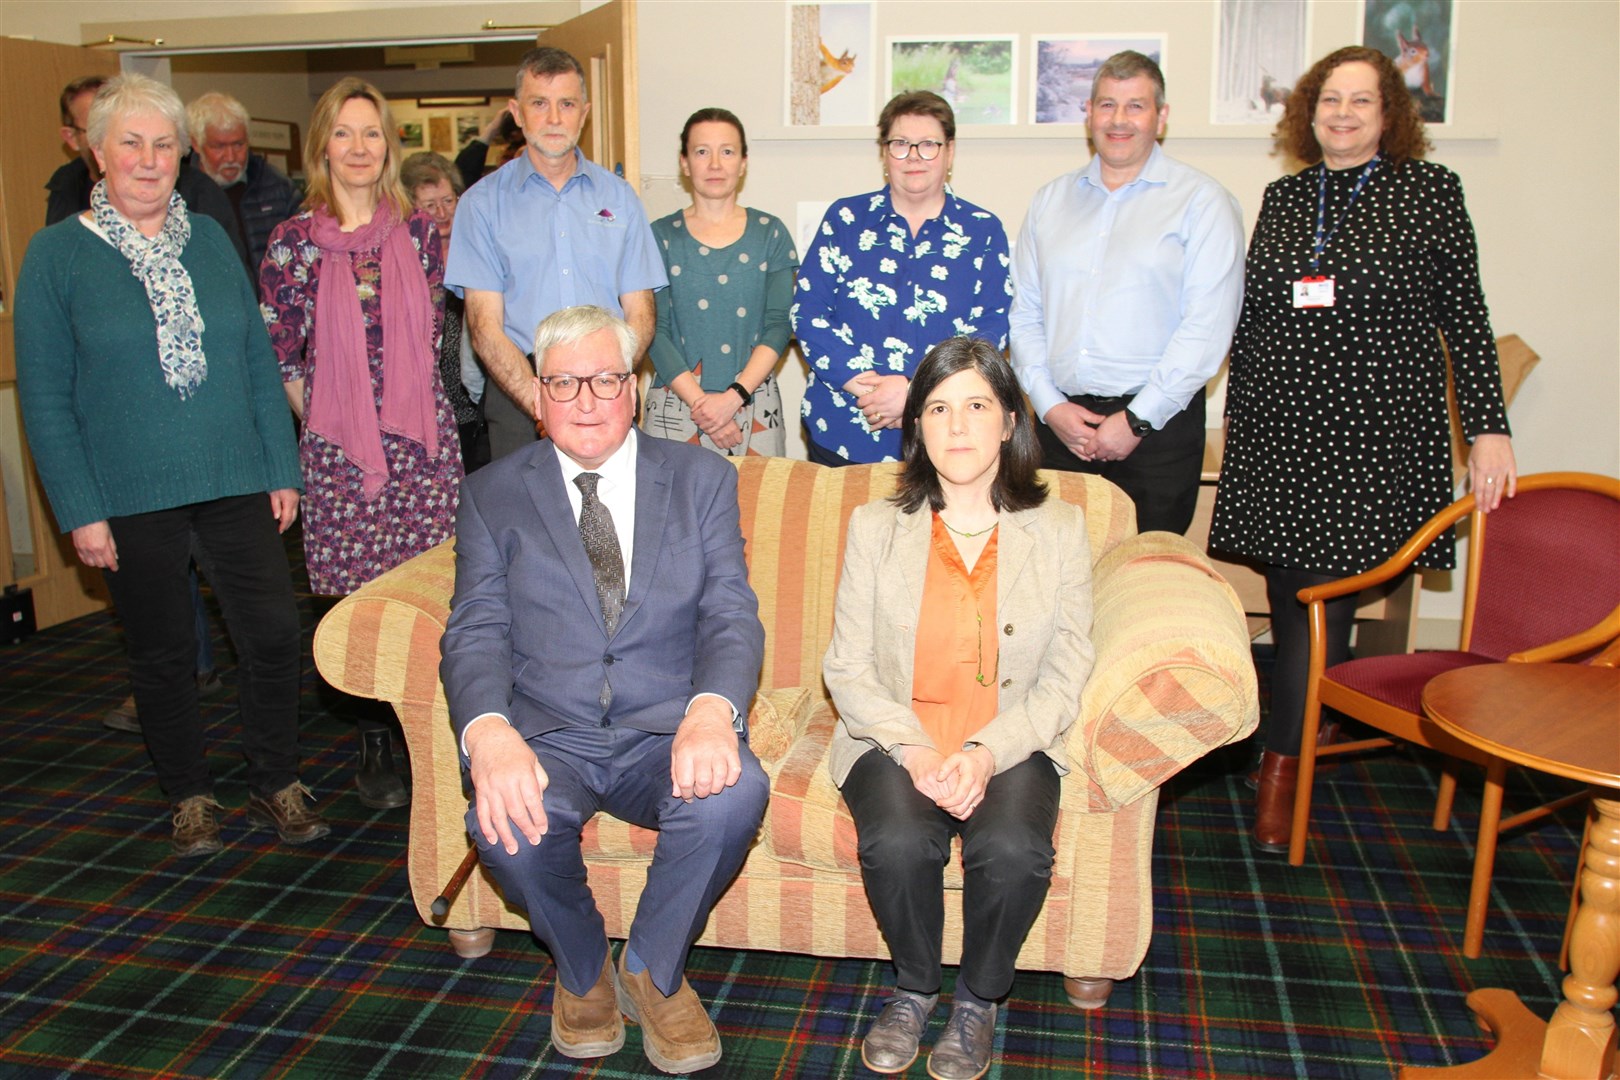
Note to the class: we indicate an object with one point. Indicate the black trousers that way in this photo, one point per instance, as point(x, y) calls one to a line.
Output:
point(814, 451)
point(1291, 634)
point(1160, 476)
point(904, 843)
point(242, 556)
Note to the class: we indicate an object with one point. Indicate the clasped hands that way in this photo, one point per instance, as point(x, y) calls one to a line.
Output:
point(955, 784)
point(1092, 436)
point(715, 414)
point(881, 398)
point(510, 783)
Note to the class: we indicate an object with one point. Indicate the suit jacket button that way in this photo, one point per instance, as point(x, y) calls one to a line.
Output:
point(606, 722)
point(1006, 683)
point(608, 659)
point(1007, 629)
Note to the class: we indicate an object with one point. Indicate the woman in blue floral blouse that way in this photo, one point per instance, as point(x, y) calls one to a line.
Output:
point(889, 275)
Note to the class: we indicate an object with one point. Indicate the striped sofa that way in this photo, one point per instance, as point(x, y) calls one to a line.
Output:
point(1173, 681)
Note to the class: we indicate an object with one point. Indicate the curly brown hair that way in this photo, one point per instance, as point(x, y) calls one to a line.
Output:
point(1403, 138)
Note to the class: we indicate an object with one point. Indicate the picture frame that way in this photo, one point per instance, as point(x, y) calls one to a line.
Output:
point(976, 73)
point(1063, 67)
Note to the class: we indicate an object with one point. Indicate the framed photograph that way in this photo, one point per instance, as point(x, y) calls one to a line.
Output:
point(468, 128)
point(1420, 36)
point(976, 74)
point(1066, 65)
point(410, 135)
point(1260, 52)
point(832, 52)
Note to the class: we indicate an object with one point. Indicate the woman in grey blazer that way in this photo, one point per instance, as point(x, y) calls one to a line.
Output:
point(960, 648)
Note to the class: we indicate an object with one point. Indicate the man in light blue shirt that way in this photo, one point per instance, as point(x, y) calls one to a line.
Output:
point(1127, 277)
point(547, 230)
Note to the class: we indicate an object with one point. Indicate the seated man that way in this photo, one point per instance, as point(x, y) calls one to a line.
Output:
point(602, 650)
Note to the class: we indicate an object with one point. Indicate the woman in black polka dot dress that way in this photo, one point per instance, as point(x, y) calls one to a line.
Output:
point(1338, 444)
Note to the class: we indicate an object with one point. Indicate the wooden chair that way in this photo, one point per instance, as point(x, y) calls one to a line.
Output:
point(1542, 585)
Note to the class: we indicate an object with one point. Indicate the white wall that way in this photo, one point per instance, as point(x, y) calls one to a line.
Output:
point(1536, 86)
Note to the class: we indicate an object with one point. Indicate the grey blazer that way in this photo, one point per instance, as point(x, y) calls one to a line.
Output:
point(1043, 622)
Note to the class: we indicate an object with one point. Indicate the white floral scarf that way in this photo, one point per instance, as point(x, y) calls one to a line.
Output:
point(155, 262)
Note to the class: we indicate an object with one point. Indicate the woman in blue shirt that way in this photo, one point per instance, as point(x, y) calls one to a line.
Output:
point(889, 275)
point(723, 321)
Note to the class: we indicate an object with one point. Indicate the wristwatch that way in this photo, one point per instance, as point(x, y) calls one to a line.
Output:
point(1139, 427)
point(747, 398)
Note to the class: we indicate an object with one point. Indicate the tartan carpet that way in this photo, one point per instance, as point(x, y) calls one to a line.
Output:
point(118, 960)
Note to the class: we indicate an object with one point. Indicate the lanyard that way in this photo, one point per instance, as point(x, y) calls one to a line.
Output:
point(1323, 238)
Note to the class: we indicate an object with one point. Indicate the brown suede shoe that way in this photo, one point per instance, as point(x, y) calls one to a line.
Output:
point(676, 1032)
point(286, 813)
point(589, 1026)
point(196, 829)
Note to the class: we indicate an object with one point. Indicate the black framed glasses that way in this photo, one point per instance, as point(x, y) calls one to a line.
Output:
point(604, 387)
point(927, 149)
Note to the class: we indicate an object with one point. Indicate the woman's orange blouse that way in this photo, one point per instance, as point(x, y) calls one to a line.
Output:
point(956, 644)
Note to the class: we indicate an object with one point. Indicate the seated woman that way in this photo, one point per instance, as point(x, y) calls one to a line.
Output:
point(941, 732)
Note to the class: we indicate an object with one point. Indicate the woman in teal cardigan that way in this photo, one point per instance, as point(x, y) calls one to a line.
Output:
point(156, 418)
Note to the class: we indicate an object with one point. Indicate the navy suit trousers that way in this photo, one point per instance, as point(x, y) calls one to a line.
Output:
point(701, 845)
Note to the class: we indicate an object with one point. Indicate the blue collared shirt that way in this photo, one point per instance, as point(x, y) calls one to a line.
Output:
point(1129, 291)
point(872, 297)
point(545, 249)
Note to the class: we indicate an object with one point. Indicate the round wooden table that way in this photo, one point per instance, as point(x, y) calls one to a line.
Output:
point(1562, 719)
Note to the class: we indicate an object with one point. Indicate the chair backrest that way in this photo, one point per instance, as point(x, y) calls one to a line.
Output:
point(1549, 563)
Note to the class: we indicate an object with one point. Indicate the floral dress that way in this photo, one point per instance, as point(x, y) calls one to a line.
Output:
point(348, 540)
point(872, 297)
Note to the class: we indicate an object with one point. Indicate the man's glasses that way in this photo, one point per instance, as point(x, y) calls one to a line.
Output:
point(900, 149)
point(604, 387)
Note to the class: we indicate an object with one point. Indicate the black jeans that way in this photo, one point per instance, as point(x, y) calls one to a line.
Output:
point(1160, 476)
point(242, 556)
point(904, 843)
point(814, 451)
point(1291, 634)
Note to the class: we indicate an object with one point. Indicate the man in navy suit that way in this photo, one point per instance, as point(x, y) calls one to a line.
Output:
point(602, 650)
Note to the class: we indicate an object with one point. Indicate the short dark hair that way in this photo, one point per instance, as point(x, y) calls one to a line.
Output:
point(546, 62)
point(1128, 64)
point(83, 83)
point(1016, 487)
point(714, 115)
point(917, 103)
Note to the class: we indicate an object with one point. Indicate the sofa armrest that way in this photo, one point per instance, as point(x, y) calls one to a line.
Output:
point(1174, 678)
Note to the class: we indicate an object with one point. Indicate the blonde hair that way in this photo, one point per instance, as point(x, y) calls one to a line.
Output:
point(321, 122)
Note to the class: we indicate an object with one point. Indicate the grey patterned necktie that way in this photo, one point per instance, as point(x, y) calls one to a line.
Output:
point(602, 545)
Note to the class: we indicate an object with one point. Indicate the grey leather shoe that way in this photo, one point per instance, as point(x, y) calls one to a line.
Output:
point(891, 1044)
point(963, 1050)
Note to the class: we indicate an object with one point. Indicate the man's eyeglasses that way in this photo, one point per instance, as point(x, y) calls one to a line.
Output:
point(900, 149)
point(604, 387)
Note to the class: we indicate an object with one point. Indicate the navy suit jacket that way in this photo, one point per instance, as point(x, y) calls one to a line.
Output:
point(526, 637)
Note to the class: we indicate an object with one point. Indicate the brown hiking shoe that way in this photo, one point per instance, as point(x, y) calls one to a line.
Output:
point(589, 1026)
point(676, 1033)
point(196, 829)
point(286, 813)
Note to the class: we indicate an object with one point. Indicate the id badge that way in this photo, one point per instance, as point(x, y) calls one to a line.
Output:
point(1312, 292)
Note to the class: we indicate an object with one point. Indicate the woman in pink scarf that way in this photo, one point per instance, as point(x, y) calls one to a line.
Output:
point(352, 290)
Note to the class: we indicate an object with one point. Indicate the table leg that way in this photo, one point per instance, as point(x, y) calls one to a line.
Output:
point(1579, 1042)
point(1581, 1034)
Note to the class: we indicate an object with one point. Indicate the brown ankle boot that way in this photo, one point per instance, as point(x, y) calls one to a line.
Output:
point(1326, 735)
point(1274, 803)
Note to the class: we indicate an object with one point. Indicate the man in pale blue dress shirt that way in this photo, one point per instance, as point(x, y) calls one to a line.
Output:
point(1127, 277)
point(546, 231)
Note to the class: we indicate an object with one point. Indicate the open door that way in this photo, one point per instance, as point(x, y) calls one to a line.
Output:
point(33, 553)
point(603, 40)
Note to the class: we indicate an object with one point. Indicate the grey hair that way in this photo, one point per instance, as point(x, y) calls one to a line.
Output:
point(1128, 65)
point(548, 62)
point(574, 324)
point(131, 93)
point(214, 110)
point(426, 167)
